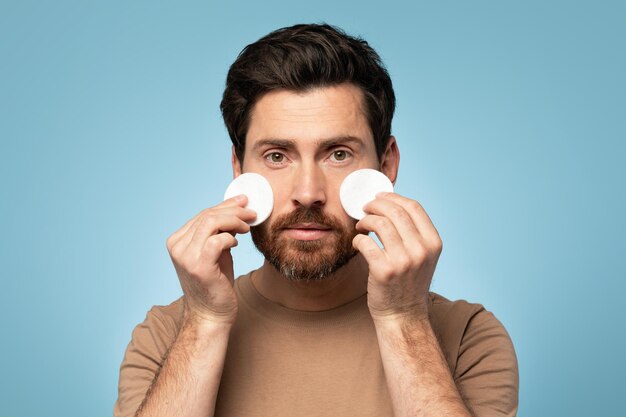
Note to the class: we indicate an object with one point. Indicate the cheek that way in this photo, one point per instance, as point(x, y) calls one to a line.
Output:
point(281, 201)
point(333, 200)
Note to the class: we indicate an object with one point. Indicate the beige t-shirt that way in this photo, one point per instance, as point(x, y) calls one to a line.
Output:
point(283, 362)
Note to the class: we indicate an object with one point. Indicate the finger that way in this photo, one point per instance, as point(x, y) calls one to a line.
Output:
point(377, 262)
point(214, 248)
point(369, 249)
point(239, 200)
point(213, 225)
point(245, 214)
point(419, 216)
point(394, 247)
point(399, 217)
point(231, 205)
point(216, 244)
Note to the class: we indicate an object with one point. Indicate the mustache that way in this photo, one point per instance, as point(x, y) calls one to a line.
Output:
point(313, 214)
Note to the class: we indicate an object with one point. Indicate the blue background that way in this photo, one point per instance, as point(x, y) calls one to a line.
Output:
point(511, 124)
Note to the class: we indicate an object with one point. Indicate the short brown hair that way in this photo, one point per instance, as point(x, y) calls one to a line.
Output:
point(302, 57)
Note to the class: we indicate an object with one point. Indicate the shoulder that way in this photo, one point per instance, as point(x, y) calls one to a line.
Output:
point(450, 320)
point(479, 352)
point(462, 326)
point(159, 328)
point(443, 309)
point(145, 353)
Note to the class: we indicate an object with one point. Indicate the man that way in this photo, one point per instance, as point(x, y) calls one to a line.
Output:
point(331, 324)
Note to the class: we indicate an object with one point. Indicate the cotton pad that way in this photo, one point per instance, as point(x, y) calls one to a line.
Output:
point(361, 187)
point(259, 193)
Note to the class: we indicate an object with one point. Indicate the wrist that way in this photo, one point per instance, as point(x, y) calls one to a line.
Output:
point(402, 323)
point(201, 334)
point(207, 321)
point(417, 312)
point(205, 318)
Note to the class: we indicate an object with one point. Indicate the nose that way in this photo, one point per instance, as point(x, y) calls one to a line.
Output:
point(309, 186)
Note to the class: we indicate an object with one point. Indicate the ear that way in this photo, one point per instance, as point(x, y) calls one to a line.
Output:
point(235, 163)
point(390, 161)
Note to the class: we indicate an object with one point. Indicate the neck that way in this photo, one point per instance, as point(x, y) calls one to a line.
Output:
point(346, 284)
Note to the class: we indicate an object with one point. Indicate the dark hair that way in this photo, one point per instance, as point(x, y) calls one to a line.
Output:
point(302, 57)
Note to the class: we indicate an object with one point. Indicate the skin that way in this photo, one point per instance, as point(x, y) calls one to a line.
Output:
point(308, 169)
point(299, 142)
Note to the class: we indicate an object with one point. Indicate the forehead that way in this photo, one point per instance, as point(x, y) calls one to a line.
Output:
point(310, 116)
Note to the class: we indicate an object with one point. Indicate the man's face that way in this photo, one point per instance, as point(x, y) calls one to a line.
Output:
point(305, 144)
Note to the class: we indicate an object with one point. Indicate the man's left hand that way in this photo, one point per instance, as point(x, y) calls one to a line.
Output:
point(400, 273)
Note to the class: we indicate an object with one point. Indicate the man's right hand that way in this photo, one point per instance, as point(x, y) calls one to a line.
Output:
point(200, 251)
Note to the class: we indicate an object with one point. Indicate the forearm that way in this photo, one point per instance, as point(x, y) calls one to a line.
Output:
point(418, 377)
point(189, 379)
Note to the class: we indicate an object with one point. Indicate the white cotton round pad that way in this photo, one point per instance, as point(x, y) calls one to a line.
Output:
point(361, 187)
point(259, 193)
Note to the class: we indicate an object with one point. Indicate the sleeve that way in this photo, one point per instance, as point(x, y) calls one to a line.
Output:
point(486, 370)
point(144, 357)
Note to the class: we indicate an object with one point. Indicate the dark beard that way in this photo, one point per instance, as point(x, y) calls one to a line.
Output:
point(310, 260)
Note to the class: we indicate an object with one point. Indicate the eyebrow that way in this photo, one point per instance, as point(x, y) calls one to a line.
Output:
point(325, 143)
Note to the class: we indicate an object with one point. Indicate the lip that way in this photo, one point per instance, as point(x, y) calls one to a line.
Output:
point(308, 226)
point(307, 231)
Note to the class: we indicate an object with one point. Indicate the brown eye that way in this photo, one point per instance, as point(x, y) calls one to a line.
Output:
point(276, 157)
point(340, 155)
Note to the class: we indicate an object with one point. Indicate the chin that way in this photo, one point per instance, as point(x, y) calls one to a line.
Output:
point(310, 272)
